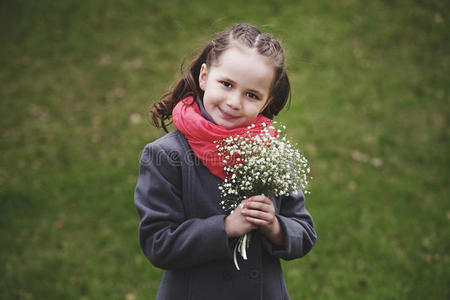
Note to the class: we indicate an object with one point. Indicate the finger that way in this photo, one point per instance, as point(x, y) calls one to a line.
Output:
point(247, 224)
point(257, 214)
point(260, 206)
point(242, 204)
point(257, 222)
point(260, 199)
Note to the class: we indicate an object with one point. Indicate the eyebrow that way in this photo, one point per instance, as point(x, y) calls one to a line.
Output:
point(250, 90)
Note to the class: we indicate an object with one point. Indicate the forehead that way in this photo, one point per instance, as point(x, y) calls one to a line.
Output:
point(247, 67)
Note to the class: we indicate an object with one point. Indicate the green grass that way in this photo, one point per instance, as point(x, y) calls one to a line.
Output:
point(370, 106)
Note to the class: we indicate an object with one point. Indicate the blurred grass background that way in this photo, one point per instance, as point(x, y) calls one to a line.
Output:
point(370, 106)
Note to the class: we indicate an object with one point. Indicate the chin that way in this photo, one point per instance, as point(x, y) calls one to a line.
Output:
point(232, 126)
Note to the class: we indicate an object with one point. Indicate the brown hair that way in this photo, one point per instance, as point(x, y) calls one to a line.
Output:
point(246, 35)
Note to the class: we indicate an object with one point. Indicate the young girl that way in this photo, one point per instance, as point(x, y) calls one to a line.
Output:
point(239, 79)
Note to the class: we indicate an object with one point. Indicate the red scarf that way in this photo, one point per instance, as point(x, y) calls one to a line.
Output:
point(201, 133)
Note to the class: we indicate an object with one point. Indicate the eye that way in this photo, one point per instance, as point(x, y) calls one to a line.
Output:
point(251, 95)
point(226, 84)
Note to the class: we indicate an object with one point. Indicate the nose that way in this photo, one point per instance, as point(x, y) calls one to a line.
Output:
point(234, 101)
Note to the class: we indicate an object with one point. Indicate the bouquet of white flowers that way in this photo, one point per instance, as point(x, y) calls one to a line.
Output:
point(263, 164)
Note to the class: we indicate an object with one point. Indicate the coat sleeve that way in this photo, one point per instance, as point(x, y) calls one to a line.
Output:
point(167, 238)
point(298, 228)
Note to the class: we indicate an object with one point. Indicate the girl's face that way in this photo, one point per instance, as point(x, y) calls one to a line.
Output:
point(237, 87)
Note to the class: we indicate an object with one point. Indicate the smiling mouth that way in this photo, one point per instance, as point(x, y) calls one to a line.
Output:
point(226, 115)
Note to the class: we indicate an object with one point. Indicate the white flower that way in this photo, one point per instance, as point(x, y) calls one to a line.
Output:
point(265, 165)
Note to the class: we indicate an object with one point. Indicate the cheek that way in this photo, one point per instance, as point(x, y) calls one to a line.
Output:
point(209, 102)
point(211, 96)
point(257, 109)
point(251, 112)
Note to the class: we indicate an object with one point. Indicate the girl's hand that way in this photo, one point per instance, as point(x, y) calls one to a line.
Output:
point(259, 211)
point(236, 224)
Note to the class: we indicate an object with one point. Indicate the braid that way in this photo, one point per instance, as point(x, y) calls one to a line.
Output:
point(245, 35)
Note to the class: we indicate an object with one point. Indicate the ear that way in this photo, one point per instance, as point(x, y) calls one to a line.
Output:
point(202, 77)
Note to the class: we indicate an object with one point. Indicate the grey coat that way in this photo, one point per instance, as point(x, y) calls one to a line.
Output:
point(182, 230)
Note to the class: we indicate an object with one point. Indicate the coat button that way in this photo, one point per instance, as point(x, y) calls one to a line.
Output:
point(254, 274)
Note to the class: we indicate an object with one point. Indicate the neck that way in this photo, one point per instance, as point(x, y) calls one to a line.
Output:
point(203, 110)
